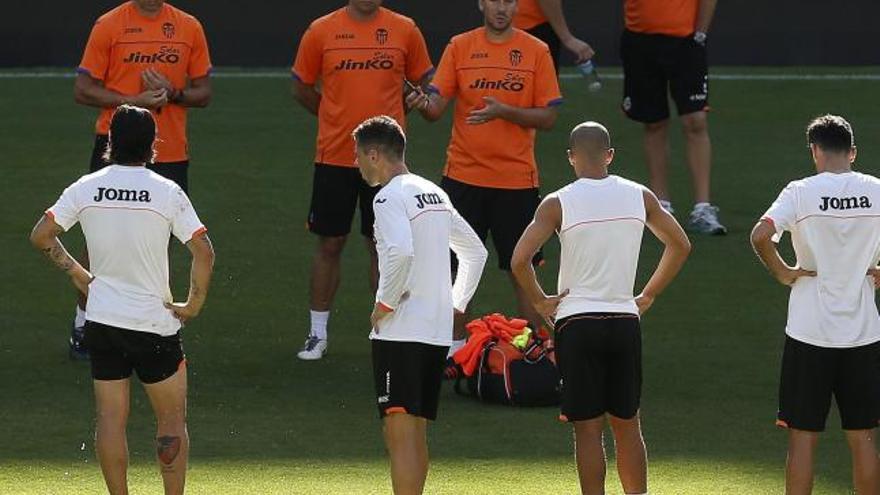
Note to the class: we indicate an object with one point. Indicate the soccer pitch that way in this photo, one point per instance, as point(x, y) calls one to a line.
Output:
point(262, 422)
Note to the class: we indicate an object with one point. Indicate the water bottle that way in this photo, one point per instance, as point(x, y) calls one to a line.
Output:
point(588, 69)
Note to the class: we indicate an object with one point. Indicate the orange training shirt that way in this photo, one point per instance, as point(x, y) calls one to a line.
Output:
point(517, 72)
point(361, 67)
point(124, 43)
point(528, 14)
point(669, 17)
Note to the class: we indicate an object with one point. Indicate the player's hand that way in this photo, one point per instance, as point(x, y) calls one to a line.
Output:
point(491, 111)
point(790, 275)
point(875, 274)
point(547, 307)
point(183, 311)
point(644, 302)
point(81, 278)
point(581, 49)
point(417, 99)
point(151, 98)
point(153, 79)
point(378, 314)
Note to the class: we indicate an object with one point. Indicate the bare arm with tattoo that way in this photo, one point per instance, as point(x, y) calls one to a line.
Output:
point(44, 237)
point(200, 278)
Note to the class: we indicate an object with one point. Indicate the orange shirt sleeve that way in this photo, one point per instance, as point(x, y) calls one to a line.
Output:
point(96, 57)
point(445, 82)
point(309, 57)
point(200, 59)
point(418, 61)
point(547, 93)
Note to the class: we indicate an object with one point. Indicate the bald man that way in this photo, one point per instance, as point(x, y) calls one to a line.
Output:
point(600, 219)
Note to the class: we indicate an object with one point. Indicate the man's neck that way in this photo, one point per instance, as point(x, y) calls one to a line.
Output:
point(147, 13)
point(393, 170)
point(594, 173)
point(837, 167)
point(495, 36)
point(359, 16)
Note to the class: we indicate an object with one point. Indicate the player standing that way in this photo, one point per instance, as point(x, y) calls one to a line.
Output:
point(832, 343)
point(127, 214)
point(600, 219)
point(153, 55)
point(504, 85)
point(360, 55)
point(412, 319)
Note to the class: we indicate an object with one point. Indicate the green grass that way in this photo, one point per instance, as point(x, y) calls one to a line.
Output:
point(264, 423)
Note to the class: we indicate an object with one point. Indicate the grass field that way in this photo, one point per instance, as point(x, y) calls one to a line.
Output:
point(262, 422)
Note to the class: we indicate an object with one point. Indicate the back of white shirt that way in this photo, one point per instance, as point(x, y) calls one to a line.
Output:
point(415, 228)
point(127, 216)
point(834, 220)
point(601, 237)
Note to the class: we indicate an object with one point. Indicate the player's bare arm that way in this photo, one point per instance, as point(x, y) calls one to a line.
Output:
point(548, 220)
point(433, 107)
point(200, 278)
point(705, 15)
point(552, 10)
point(91, 92)
point(677, 247)
point(765, 248)
point(306, 95)
point(44, 237)
point(537, 117)
point(197, 94)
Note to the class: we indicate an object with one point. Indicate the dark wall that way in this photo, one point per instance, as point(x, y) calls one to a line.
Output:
point(265, 32)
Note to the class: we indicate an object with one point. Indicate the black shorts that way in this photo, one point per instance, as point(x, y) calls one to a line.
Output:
point(811, 375)
point(408, 376)
point(545, 33)
point(655, 66)
point(115, 352)
point(599, 356)
point(336, 192)
point(505, 213)
point(174, 171)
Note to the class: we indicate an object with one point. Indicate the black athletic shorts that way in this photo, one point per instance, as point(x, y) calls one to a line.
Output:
point(656, 66)
point(504, 213)
point(336, 192)
point(811, 375)
point(115, 352)
point(408, 376)
point(545, 33)
point(599, 356)
point(175, 171)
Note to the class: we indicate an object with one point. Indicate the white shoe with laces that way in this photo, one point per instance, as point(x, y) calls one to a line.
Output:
point(704, 220)
point(313, 349)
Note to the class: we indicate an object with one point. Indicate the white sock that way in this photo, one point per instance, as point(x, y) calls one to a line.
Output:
point(79, 320)
point(319, 323)
point(698, 206)
point(456, 345)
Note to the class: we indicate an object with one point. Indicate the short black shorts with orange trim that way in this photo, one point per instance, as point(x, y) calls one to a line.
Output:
point(503, 213)
point(812, 374)
point(656, 66)
point(173, 171)
point(115, 352)
point(408, 376)
point(599, 356)
point(336, 193)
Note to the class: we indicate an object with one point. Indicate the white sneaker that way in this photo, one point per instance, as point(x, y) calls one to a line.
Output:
point(313, 349)
point(667, 205)
point(704, 220)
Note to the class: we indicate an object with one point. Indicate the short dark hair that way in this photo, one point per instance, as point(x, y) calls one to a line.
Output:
point(384, 133)
point(132, 133)
point(831, 133)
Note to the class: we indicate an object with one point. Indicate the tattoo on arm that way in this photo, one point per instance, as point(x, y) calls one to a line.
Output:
point(167, 449)
point(59, 256)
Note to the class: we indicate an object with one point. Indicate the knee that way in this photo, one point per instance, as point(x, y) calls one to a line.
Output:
point(112, 419)
point(331, 247)
point(656, 128)
point(626, 428)
point(695, 124)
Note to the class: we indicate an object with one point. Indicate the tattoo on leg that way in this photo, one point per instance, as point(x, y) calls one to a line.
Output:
point(167, 448)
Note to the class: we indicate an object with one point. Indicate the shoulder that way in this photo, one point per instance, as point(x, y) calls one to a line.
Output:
point(465, 37)
point(399, 21)
point(113, 15)
point(327, 21)
point(532, 42)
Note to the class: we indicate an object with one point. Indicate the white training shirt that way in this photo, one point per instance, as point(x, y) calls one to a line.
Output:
point(415, 228)
point(834, 220)
point(601, 236)
point(127, 215)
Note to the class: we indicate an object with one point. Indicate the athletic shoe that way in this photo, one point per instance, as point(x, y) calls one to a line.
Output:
point(667, 205)
point(313, 349)
point(704, 220)
point(77, 350)
point(452, 370)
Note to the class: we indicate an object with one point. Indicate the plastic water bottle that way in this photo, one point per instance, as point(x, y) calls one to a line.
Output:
point(591, 74)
